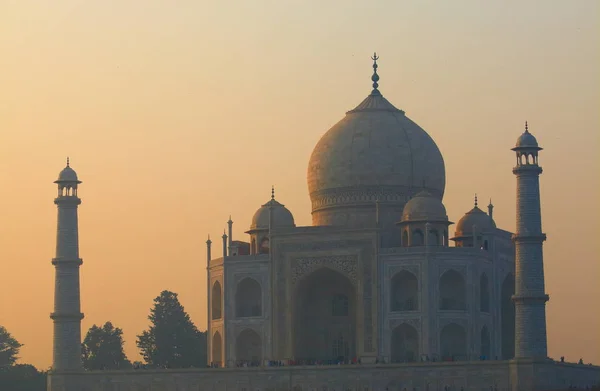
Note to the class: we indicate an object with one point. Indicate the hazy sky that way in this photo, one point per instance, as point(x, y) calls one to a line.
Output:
point(177, 114)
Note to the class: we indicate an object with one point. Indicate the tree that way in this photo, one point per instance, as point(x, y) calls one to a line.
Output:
point(102, 348)
point(172, 341)
point(9, 348)
point(22, 377)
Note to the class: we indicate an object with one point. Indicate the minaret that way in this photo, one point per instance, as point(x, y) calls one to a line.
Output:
point(530, 297)
point(208, 255)
point(67, 312)
point(224, 244)
point(230, 231)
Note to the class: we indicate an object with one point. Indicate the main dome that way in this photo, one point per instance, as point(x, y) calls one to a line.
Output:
point(375, 153)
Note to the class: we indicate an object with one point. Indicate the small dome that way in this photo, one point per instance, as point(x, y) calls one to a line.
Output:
point(424, 207)
point(477, 217)
point(67, 174)
point(527, 140)
point(282, 217)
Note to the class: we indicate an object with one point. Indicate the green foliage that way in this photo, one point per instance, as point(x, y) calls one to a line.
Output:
point(9, 348)
point(22, 377)
point(172, 340)
point(102, 348)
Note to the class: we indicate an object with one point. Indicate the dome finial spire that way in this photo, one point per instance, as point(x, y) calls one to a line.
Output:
point(476, 200)
point(526, 127)
point(272, 193)
point(67, 161)
point(375, 77)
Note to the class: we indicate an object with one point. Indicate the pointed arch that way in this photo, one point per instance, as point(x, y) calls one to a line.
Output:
point(507, 317)
point(404, 344)
point(324, 317)
point(453, 343)
point(248, 348)
point(217, 349)
point(248, 298)
point(485, 343)
point(404, 292)
point(264, 246)
point(453, 291)
point(484, 293)
point(216, 301)
point(433, 239)
point(418, 239)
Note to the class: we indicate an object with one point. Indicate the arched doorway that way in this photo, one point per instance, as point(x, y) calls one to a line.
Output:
point(484, 293)
point(404, 292)
point(405, 344)
point(248, 298)
point(485, 343)
point(418, 239)
point(324, 317)
point(264, 246)
point(453, 343)
point(507, 317)
point(216, 301)
point(217, 349)
point(248, 348)
point(453, 293)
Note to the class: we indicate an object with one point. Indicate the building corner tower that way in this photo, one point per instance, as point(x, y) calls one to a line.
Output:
point(530, 297)
point(67, 311)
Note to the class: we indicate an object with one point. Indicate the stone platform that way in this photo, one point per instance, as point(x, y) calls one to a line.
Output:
point(431, 376)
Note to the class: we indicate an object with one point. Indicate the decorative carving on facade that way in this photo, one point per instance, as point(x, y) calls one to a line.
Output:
point(280, 250)
point(461, 269)
point(413, 322)
point(393, 270)
point(256, 327)
point(238, 277)
point(345, 264)
point(337, 197)
point(443, 322)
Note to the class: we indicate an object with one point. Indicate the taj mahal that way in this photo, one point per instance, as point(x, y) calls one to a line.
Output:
point(375, 295)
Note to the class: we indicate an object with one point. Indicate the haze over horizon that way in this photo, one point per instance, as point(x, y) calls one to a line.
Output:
point(176, 116)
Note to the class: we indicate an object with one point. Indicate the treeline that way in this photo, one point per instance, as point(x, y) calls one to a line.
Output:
point(171, 341)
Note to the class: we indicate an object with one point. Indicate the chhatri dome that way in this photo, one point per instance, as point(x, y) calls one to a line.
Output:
point(281, 216)
point(424, 207)
point(67, 175)
point(375, 153)
point(475, 217)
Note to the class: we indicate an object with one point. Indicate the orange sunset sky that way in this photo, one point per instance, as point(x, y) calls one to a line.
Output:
point(176, 114)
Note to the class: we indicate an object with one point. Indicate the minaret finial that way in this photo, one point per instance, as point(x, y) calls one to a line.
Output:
point(375, 77)
point(67, 161)
point(476, 200)
point(272, 193)
point(526, 127)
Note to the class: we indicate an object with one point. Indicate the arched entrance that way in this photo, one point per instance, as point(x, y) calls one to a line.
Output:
point(453, 343)
point(484, 294)
point(405, 344)
point(485, 343)
point(404, 292)
point(248, 348)
point(324, 317)
point(248, 298)
point(453, 292)
point(507, 317)
point(217, 349)
point(216, 300)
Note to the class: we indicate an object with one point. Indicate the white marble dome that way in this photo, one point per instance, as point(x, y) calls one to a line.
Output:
point(282, 217)
point(424, 207)
point(374, 152)
point(474, 217)
point(67, 175)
